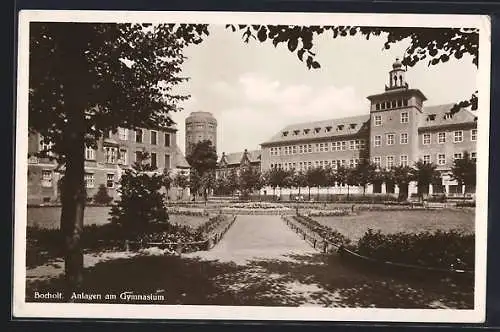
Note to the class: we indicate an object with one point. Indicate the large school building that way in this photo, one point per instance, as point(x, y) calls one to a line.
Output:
point(398, 130)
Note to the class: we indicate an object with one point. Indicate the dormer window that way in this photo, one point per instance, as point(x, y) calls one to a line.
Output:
point(285, 133)
point(340, 127)
point(328, 129)
point(377, 106)
point(306, 131)
point(317, 129)
point(296, 132)
point(431, 117)
point(353, 126)
point(447, 116)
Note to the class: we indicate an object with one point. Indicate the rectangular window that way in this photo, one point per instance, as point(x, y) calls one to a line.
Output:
point(123, 134)
point(153, 138)
point(352, 163)
point(441, 159)
point(123, 159)
point(404, 117)
point(352, 145)
point(46, 147)
point(403, 160)
point(427, 159)
point(457, 155)
point(167, 161)
point(138, 156)
point(89, 153)
point(376, 161)
point(441, 138)
point(167, 139)
point(110, 154)
point(390, 139)
point(110, 180)
point(138, 135)
point(390, 161)
point(309, 148)
point(458, 136)
point(294, 149)
point(377, 141)
point(473, 135)
point(378, 120)
point(344, 145)
point(473, 156)
point(403, 138)
point(89, 180)
point(426, 139)
point(153, 160)
point(46, 178)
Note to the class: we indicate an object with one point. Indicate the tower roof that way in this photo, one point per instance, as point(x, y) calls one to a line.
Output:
point(397, 64)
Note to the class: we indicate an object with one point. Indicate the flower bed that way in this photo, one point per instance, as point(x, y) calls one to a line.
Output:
point(451, 249)
point(44, 243)
point(325, 232)
point(329, 213)
point(196, 212)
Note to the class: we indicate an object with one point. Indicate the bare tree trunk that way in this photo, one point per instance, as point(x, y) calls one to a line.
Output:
point(73, 197)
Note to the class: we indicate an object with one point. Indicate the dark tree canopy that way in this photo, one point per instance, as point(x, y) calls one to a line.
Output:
point(117, 74)
point(203, 157)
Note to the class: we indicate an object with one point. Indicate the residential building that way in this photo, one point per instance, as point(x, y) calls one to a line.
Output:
point(236, 161)
point(104, 165)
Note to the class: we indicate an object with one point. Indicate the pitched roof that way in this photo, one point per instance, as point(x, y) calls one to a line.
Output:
point(322, 129)
point(236, 157)
point(438, 115)
point(180, 160)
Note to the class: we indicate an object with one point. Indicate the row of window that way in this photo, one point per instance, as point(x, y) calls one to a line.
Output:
point(391, 104)
point(403, 159)
point(317, 130)
point(404, 117)
point(358, 144)
point(139, 136)
point(200, 126)
point(304, 165)
point(113, 155)
point(458, 136)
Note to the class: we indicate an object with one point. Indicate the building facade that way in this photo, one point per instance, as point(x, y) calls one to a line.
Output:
point(200, 126)
point(398, 130)
point(104, 165)
point(236, 161)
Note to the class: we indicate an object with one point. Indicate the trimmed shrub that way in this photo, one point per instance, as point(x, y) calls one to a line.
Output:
point(466, 204)
point(102, 196)
point(325, 232)
point(450, 249)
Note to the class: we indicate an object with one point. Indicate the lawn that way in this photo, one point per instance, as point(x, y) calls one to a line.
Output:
point(49, 217)
point(400, 221)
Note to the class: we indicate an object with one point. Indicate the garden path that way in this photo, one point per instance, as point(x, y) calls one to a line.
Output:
point(257, 237)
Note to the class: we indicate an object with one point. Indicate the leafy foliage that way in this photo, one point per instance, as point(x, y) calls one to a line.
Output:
point(141, 198)
point(102, 196)
point(464, 170)
point(450, 249)
point(425, 174)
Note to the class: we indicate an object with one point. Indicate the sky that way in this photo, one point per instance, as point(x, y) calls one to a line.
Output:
point(255, 89)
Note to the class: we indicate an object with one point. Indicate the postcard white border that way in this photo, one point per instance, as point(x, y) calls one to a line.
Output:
point(117, 311)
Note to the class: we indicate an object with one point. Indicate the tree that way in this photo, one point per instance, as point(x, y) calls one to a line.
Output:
point(402, 177)
point(463, 171)
point(203, 157)
point(141, 198)
point(436, 45)
point(167, 181)
point(249, 180)
point(351, 179)
point(341, 175)
point(276, 178)
point(232, 181)
point(102, 196)
point(89, 79)
point(365, 173)
point(331, 178)
point(181, 181)
point(299, 180)
point(194, 183)
point(207, 183)
point(316, 177)
point(424, 174)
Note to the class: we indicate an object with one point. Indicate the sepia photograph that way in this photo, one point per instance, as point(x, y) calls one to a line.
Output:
point(251, 166)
